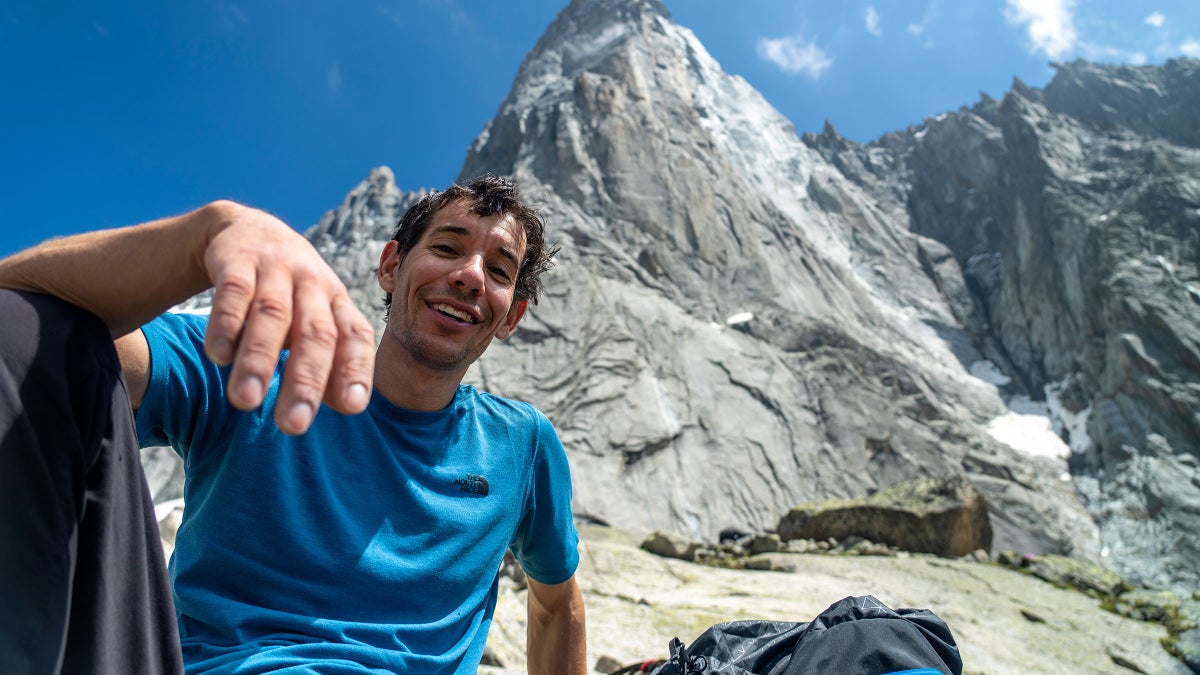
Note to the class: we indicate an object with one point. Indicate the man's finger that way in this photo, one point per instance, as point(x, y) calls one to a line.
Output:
point(268, 323)
point(233, 291)
point(312, 342)
point(349, 388)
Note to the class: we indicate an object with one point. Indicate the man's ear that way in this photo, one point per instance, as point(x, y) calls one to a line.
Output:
point(389, 260)
point(509, 325)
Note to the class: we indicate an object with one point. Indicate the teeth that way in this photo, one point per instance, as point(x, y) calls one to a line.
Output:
point(458, 314)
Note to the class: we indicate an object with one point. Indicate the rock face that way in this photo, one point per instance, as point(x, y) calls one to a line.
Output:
point(1073, 213)
point(943, 516)
point(743, 320)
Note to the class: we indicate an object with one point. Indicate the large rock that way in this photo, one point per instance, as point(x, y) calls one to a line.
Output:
point(671, 546)
point(1184, 638)
point(944, 516)
point(1080, 574)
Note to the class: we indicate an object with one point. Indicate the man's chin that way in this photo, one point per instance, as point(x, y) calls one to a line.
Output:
point(437, 352)
point(441, 357)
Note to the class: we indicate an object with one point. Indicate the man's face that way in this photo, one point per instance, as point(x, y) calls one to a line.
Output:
point(453, 292)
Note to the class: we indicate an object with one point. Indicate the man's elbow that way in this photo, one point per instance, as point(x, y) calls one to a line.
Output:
point(562, 602)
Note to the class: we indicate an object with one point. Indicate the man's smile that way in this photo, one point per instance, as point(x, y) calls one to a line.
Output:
point(454, 313)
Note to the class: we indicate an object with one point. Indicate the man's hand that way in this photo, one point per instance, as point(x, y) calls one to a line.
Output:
point(556, 641)
point(272, 291)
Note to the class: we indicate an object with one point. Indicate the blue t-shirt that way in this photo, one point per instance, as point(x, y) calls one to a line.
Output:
point(370, 544)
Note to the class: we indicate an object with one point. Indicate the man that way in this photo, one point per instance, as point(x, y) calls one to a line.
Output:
point(365, 538)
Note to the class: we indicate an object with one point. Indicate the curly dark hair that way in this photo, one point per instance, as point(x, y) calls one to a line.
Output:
point(487, 195)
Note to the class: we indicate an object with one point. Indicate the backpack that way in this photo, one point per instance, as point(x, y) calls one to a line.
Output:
point(857, 635)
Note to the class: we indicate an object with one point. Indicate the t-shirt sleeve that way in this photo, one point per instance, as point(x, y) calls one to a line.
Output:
point(184, 398)
point(546, 543)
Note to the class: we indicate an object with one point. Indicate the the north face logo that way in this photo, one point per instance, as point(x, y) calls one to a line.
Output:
point(474, 484)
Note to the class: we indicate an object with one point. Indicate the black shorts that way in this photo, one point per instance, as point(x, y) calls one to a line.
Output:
point(83, 586)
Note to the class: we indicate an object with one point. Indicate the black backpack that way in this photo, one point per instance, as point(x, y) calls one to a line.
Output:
point(857, 635)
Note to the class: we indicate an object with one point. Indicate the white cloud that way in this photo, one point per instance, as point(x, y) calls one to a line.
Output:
point(1156, 19)
point(1190, 47)
point(794, 55)
point(872, 20)
point(931, 13)
point(333, 78)
point(1051, 24)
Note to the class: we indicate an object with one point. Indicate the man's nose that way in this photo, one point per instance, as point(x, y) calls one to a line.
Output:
point(470, 274)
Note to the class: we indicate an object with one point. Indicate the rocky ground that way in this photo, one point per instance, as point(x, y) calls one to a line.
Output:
point(1004, 621)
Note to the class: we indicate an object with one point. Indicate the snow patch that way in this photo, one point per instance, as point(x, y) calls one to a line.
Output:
point(1027, 428)
point(988, 372)
point(739, 318)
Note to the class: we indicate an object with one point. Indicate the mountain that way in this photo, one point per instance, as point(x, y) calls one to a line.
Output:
point(742, 319)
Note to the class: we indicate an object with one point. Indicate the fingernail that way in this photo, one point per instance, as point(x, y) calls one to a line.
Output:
point(357, 396)
point(220, 349)
point(299, 416)
point(250, 391)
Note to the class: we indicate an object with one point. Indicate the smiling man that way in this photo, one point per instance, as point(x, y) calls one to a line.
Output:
point(366, 538)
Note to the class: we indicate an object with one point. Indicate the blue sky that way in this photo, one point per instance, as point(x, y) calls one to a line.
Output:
point(119, 112)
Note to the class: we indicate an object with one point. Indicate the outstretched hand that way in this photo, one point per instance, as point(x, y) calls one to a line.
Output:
point(272, 291)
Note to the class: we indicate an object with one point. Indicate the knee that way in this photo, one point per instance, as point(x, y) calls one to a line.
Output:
point(50, 332)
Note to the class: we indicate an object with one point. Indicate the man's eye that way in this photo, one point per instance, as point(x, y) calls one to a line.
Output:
point(501, 273)
point(443, 248)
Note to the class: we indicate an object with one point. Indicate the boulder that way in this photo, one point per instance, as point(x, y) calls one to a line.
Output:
point(1183, 642)
point(670, 545)
point(1079, 574)
point(765, 543)
point(944, 516)
point(1148, 605)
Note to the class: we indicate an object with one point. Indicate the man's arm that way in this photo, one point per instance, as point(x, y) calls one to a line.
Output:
point(272, 291)
point(556, 640)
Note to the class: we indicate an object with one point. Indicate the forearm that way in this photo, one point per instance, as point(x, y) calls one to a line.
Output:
point(125, 276)
point(557, 634)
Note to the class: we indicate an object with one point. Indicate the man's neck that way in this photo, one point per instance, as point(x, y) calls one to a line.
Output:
point(410, 385)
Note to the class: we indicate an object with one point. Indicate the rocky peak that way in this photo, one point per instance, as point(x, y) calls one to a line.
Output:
point(585, 28)
point(352, 236)
point(584, 33)
point(1153, 101)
